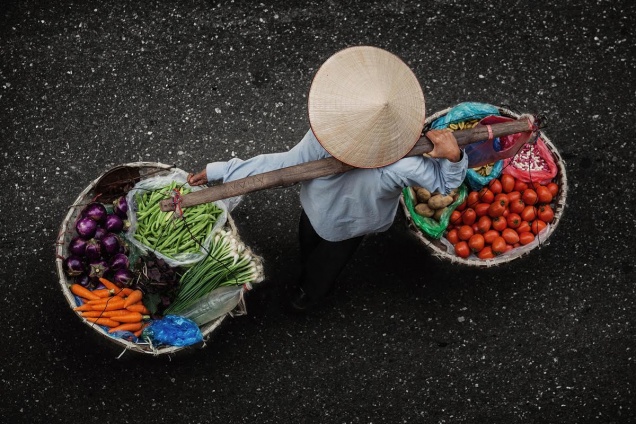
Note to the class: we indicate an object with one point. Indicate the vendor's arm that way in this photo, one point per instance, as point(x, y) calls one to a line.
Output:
point(306, 150)
point(443, 170)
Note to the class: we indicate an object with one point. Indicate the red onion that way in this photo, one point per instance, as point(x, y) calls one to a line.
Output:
point(93, 249)
point(110, 244)
point(86, 228)
point(74, 266)
point(124, 276)
point(121, 207)
point(98, 268)
point(114, 224)
point(77, 246)
point(119, 261)
point(99, 233)
point(95, 211)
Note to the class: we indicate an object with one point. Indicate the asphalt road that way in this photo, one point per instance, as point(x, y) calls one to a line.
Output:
point(549, 338)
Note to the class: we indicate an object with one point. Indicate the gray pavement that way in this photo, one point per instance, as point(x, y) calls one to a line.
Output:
point(548, 338)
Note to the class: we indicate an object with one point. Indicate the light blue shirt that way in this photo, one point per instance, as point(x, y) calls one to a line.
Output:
point(354, 203)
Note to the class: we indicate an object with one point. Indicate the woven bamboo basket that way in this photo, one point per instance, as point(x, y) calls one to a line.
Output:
point(109, 186)
point(442, 251)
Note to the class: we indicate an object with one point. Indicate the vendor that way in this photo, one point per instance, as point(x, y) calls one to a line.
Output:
point(366, 109)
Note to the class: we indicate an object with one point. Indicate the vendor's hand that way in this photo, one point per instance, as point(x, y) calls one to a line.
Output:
point(198, 179)
point(444, 145)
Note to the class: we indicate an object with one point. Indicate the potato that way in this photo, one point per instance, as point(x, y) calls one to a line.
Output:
point(422, 195)
point(438, 214)
point(423, 210)
point(439, 201)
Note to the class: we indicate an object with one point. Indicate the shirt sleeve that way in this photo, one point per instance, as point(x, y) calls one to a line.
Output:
point(439, 175)
point(306, 150)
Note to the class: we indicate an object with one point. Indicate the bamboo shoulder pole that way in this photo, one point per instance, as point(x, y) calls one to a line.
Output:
point(330, 166)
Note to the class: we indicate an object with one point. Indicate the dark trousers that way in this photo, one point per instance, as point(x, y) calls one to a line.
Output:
point(321, 260)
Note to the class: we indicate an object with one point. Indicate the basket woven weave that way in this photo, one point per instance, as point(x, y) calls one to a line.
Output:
point(440, 250)
point(128, 174)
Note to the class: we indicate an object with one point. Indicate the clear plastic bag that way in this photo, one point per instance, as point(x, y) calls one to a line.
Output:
point(159, 183)
point(217, 303)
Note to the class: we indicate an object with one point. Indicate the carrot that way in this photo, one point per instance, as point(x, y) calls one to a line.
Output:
point(115, 303)
point(80, 291)
point(129, 317)
point(141, 330)
point(124, 292)
point(129, 326)
point(93, 314)
point(138, 307)
point(134, 297)
point(84, 307)
point(109, 284)
point(103, 321)
point(103, 292)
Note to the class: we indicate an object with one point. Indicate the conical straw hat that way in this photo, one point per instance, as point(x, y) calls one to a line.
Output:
point(366, 107)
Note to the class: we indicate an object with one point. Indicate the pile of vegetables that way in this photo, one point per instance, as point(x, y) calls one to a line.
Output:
point(125, 290)
point(167, 232)
point(119, 309)
point(505, 214)
point(228, 262)
point(432, 205)
point(98, 250)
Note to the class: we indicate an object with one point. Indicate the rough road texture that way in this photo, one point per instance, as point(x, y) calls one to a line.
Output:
point(405, 338)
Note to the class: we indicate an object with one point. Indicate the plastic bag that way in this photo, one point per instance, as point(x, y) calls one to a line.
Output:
point(464, 112)
point(430, 226)
point(217, 303)
point(484, 152)
point(173, 330)
point(476, 181)
point(158, 183)
point(539, 154)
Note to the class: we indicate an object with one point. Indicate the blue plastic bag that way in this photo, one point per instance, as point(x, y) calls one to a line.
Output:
point(173, 330)
point(476, 181)
point(464, 112)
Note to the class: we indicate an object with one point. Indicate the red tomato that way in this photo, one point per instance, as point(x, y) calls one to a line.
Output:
point(472, 199)
point(465, 232)
point(490, 235)
point(514, 195)
point(469, 216)
point(529, 213)
point(485, 253)
point(537, 226)
point(452, 236)
point(520, 186)
point(462, 206)
point(545, 213)
point(507, 183)
point(510, 236)
point(495, 186)
point(513, 220)
point(524, 227)
point(499, 223)
point(455, 217)
point(529, 196)
point(496, 209)
point(516, 206)
point(503, 199)
point(498, 245)
point(525, 238)
point(553, 188)
point(481, 209)
point(486, 195)
point(543, 194)
point(462, 250)
point(476, 242)
point(484, 224)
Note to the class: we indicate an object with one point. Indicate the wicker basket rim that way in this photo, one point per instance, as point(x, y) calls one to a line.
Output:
point(560, 203)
